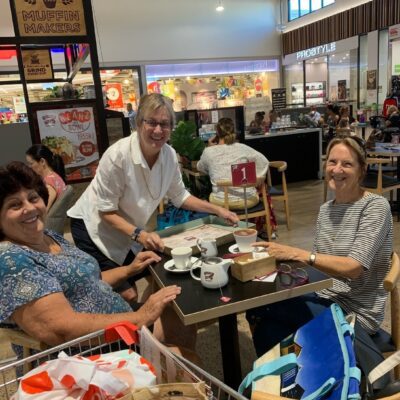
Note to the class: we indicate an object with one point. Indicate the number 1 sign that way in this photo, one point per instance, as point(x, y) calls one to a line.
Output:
point(244, 173)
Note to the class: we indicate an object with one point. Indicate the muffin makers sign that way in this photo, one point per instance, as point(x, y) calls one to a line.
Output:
point(50, 17)
point(71, 133)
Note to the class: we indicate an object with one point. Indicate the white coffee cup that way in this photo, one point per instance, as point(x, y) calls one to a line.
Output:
point(207, 247)
point(244, 238)
point(182, 257)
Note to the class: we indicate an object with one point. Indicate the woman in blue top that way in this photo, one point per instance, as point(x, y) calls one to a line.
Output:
point(52, 290)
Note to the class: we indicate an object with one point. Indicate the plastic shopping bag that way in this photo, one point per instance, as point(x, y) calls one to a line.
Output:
point(317, 362)
point(104, 376)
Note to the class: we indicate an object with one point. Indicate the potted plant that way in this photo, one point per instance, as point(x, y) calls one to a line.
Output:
point(186, 143)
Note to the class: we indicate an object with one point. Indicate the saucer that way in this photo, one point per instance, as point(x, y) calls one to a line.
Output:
point(170, 267)
point(233, 249)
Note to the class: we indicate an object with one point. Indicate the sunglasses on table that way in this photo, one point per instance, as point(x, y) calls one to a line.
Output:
point(289, 276)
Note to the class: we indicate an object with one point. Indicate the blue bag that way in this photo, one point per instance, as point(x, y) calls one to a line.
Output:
point(175, 216)
point(317, 362)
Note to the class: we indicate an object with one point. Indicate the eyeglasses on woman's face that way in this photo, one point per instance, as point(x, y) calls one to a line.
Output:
point(152, 123)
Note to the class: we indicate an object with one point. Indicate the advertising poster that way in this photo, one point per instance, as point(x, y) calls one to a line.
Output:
point(50, 17)
point(71, 133)
point(278, 98)
point(19, 105)
point(37, 64)
point(342, 87)
point(371, 80)
point(114, 95)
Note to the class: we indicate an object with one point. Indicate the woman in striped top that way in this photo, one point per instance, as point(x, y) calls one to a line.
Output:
point(353, 244)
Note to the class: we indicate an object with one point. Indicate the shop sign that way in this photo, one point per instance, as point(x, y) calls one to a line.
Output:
point(50, 17)
point(37, 64)
point(316, 51)
point(70, 133)
point(114, 95)
point(394, 32)
point(19, 105)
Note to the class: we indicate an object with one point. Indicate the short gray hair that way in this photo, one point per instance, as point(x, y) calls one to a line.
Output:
point(149, 103)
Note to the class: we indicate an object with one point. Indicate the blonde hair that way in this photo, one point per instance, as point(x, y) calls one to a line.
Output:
point(149, 103)
point(226, 130)
point(392, 109)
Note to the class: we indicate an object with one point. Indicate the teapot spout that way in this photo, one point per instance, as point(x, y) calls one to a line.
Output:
point(227, 264)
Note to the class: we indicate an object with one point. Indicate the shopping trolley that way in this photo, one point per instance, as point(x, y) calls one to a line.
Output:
point(114, 338)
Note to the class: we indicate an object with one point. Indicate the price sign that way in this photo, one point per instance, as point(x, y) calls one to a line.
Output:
point(244, 173)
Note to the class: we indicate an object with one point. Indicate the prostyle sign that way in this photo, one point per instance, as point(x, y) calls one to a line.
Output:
point(316, 51)
point(244, 173)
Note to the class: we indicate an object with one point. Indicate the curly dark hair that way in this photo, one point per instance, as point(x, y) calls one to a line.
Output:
point(16, 176)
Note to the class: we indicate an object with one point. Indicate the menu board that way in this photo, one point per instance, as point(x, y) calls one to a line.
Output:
point(71, 133)
point(278, 98)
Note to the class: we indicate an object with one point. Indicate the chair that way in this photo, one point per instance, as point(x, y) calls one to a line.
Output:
point(385, 342)
point(377, 182)
point(260, 210)
point(58, 212)
point(279, 194)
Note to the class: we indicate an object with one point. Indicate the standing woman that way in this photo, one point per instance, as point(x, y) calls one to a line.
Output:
point(50, 167)
point(110, 221)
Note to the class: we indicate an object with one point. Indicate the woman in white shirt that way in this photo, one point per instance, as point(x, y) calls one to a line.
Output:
point(216, 161)
point(133, 177)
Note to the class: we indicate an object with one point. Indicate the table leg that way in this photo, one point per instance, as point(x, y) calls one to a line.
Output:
point(229, 338)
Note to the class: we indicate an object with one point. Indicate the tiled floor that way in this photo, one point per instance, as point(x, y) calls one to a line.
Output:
point(305, 199)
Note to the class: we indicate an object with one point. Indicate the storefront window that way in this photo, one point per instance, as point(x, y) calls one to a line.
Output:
point(342, 69)
point(294, 84)
point(384, 67)
point(316, 81)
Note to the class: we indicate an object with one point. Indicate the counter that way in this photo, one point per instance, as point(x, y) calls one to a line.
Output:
point(300, 148)
point(15, 139)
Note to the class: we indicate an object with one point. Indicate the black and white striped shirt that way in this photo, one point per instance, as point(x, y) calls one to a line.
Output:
point(363, 231)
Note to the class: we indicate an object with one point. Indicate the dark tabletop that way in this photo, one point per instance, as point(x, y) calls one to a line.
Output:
point(197, 304)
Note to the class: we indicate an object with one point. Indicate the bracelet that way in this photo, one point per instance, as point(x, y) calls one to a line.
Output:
point(136, 233)
point(312, 258)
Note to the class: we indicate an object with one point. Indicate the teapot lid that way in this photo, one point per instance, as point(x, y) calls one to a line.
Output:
point(212, 260)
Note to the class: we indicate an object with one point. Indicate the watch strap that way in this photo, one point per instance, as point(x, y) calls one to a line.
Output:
point(136, 233)
point(312, 258)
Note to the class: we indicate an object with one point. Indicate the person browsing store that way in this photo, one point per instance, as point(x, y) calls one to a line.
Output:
point(133, 178)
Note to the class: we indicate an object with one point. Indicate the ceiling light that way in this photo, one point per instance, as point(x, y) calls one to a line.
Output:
point(219, 7)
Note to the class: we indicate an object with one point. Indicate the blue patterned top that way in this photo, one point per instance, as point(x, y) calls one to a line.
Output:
point(26, 275)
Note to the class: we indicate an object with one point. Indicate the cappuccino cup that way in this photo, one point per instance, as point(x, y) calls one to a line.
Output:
point(244, 238)
point(182, 257)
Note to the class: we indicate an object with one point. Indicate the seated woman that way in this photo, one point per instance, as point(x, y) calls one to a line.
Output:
point(55, 292)
point(50, 167)
point(353, 244)
point(393, 119)
point(258, 124)
point(216, 162)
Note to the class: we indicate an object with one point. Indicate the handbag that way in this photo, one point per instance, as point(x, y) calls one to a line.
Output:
point(175, 216)
point(316, 362)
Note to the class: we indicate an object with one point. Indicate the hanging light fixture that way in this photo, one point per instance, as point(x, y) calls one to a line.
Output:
point(219, 7)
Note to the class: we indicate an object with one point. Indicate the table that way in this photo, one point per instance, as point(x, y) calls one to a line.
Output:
point(198, 304)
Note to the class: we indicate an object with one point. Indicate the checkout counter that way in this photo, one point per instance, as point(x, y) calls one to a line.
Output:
point(300, 148)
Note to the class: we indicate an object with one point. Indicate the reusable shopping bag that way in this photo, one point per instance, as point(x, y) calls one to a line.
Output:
point(175, 216)
point(316, 362)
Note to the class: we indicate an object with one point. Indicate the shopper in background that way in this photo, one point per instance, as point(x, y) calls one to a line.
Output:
point(314, 115)
point(258, 124)
point(132, 116)
point(50, 167)
point(55, 292)
point(393, 120)
point(353, 244)
point(111, 220)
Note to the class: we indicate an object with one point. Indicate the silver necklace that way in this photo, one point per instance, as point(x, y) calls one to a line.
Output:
point(148, 186)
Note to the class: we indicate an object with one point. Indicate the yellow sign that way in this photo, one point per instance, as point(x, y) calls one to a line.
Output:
point(50, 17)
point(37, 64)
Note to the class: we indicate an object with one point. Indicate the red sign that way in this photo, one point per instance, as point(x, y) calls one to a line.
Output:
point(244, 173)
point(114, 95)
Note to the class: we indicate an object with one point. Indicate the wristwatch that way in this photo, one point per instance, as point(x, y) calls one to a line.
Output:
point(312, 258)
point(136, 233)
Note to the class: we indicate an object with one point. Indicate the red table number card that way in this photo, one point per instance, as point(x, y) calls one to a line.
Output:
point(244, 173)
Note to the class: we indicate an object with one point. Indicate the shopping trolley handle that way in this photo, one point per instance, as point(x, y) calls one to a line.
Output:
point(124, 330)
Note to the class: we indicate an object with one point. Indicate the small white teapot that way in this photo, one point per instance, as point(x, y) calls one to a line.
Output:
point(214, 272)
